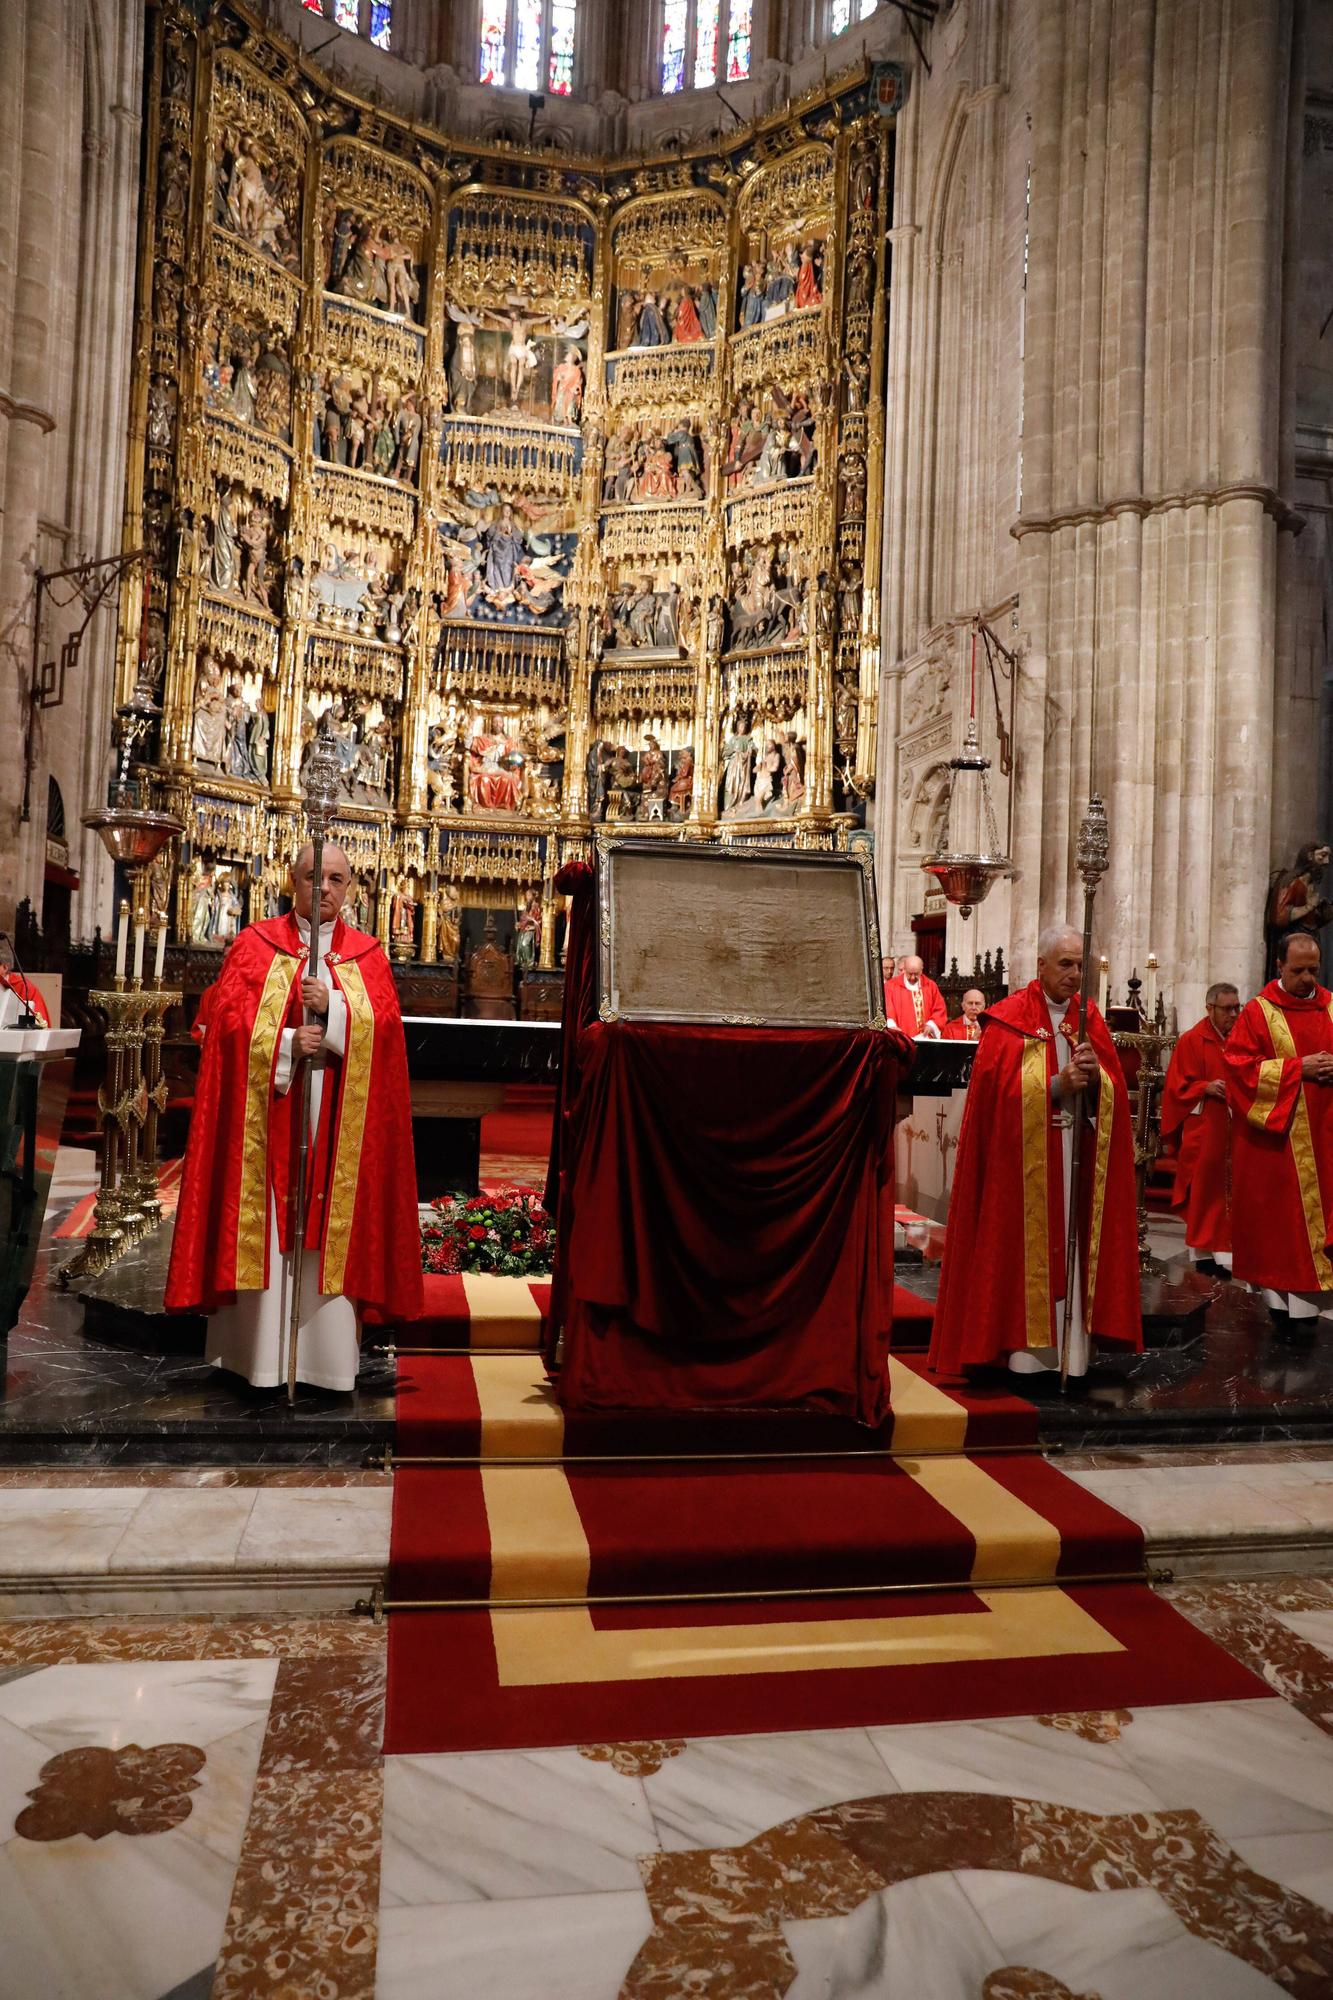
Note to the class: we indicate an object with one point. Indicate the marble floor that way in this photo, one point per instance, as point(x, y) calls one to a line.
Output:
point(199, 1807)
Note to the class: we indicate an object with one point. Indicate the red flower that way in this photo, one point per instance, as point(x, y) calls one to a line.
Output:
point(477, 1234)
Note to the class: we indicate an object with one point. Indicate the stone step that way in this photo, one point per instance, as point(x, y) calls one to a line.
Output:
point(164, 1542)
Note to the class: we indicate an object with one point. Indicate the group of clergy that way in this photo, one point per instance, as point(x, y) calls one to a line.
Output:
point(1247, 1103)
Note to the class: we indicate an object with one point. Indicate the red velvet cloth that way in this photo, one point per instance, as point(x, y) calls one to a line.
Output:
point(727, 1219)
point(575, 880)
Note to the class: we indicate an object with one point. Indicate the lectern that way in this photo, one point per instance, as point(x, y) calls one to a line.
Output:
point(36, 1069)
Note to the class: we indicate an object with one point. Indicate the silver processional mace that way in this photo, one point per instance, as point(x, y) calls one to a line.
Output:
point(1091, 855)
point(320, 788)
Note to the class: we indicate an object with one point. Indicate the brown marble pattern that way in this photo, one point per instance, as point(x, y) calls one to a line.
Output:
point(97, 1791)
point(633, 1760)
point(1096, 1725)
point(305, 1904)
point(1246, 1618)
point(1022, 1982)
point(52, 1642)
point(718, 1913)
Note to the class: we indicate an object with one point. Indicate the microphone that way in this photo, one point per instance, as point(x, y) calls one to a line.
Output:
point(27, 1019)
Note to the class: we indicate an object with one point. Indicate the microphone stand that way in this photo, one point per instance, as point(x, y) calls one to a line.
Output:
point(320, 795)
point(1091, 857)
point(27, 1019)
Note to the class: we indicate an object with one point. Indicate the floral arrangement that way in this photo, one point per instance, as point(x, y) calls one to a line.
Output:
point(506, 1231)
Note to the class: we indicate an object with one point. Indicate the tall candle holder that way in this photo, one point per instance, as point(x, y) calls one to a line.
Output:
point(1152, 1042)
point(132, 1092)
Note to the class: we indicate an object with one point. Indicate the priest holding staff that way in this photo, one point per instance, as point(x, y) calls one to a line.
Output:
point(267, 1268)
point(1003, 1283)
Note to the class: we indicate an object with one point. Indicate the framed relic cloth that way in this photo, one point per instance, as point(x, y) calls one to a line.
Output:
point(741, 937)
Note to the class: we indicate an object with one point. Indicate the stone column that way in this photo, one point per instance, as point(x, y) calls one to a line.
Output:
point(28, 407)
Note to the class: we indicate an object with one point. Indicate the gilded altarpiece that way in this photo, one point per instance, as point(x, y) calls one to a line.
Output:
point(551, 489)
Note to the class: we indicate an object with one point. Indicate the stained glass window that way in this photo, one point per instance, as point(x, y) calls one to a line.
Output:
point(527, 44)
point(494, 21)
point(313, 6)
point(560, 68)
point(674, 21)
point(839, 16)
point(705, 45)
point(381, 22)
point(738, 41)
point(347, 13)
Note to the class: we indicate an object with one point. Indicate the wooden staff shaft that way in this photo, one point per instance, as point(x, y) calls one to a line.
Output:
point(303, 1144)
point(1077, 1154)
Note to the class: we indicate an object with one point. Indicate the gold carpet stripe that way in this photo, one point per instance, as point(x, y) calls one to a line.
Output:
point(504, 1312)
point(563, 1647)
point(924, 1417)
point(520, 1417)
point(538, 1544)
point(1012, 1539)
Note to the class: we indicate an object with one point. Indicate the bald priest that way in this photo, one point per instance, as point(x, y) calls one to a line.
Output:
point(232, 1256)
point(1038, 1068)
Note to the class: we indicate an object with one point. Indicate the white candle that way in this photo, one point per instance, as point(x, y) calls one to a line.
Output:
point(138, 951)
point(1150, 987)
point(160, 959)
point(1104, 984)
point(122, 937)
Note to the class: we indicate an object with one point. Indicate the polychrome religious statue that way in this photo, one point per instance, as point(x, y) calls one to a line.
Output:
point(403, 920)
point(495, 769)
point(528, 930)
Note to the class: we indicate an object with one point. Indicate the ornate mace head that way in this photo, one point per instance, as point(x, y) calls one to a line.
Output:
point(321, 779)
point(1094, 843)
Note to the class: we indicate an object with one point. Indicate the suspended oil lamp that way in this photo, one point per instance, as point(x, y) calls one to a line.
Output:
point(966, 876)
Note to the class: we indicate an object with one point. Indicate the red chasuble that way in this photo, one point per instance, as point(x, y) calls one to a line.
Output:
point(900, 1006)
point(1282, 1142)
point(362, 1211)
point(1203, 1165)
point(25, 992)
point(1003, 1274)
point(961, 1031)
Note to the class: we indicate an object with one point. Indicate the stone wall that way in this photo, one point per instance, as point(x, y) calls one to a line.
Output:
point(70, 94)
point(1104, 288)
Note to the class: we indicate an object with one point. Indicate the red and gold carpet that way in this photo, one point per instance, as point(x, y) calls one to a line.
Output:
point(639, 1574)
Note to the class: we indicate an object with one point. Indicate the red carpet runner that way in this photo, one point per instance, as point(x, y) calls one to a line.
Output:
point(754, 1580)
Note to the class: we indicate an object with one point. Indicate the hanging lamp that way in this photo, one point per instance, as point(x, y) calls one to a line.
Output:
point(964, 877)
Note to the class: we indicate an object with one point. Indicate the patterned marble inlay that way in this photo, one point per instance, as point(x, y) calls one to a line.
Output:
point(96, 1792)
point(1021, 1982)
point(1097, 1725)
point(304, 1907)
point(1251, 1621)
point(719, 1914)
point(633, 1760)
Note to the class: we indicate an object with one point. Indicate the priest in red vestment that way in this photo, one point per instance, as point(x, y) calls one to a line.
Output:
point(232, 1256)
point(967, 1028)
point(913, 1002)
point(1195, 1110)
point(18, 998)
point(1280, 1075)
point(1002, 1282)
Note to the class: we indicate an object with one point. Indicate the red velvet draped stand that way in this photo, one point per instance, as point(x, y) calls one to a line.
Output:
point(726, 1215)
